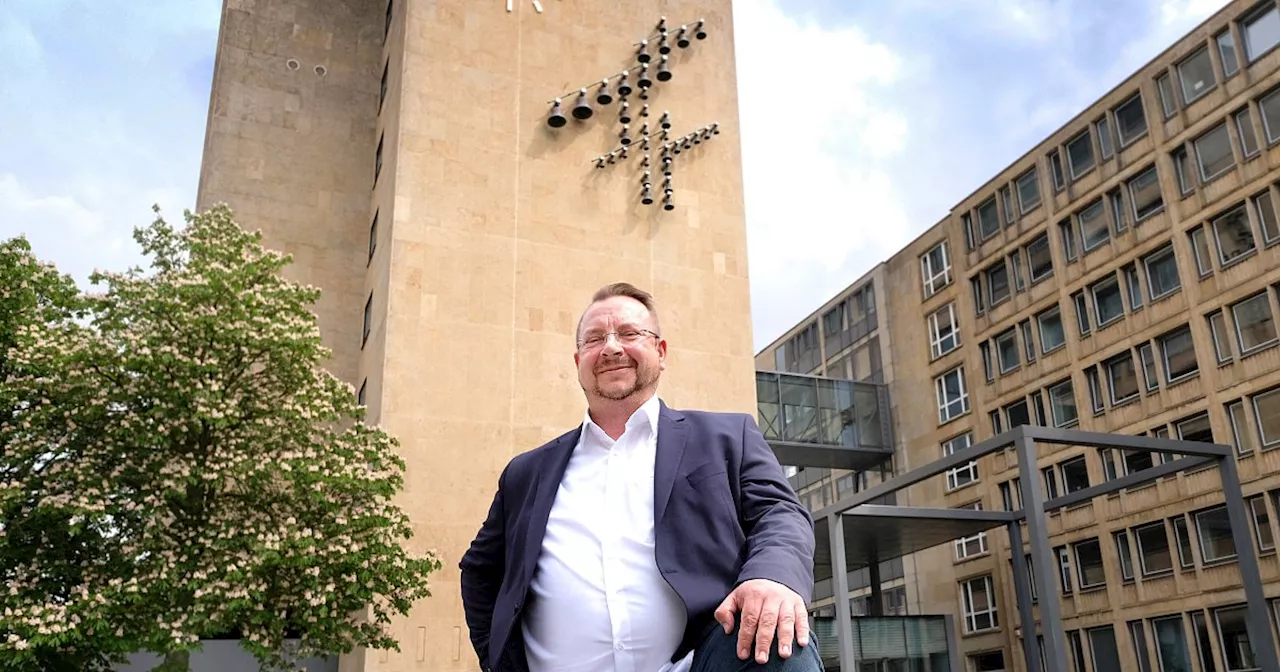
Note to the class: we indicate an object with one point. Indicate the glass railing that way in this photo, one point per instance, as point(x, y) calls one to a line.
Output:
point(888, 642)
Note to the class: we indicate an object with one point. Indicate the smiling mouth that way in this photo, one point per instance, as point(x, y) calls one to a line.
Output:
point(619, 368)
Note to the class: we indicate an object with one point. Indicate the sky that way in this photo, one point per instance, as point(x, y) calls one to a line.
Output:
point(896, 111)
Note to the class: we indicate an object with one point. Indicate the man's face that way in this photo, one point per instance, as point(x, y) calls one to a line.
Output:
point(620, 354)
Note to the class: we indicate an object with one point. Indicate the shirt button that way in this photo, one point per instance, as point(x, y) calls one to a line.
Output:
point(620, 646)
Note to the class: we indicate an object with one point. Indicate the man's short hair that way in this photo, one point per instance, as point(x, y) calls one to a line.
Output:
point(628, 290)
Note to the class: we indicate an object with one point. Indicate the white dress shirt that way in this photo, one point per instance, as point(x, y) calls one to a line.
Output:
point(599, 602)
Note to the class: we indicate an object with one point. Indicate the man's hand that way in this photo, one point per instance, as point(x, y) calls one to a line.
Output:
point(766, 607)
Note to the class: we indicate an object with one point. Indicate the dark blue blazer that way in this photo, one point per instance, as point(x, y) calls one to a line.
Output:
point(723, 513)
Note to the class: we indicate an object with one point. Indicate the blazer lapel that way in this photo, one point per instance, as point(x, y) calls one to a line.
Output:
point(548, 484)
point(672, 434)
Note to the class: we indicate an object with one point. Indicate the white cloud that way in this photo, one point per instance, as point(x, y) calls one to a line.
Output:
point(813, 130)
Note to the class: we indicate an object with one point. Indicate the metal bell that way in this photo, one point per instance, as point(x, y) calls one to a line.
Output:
point(666, 120)
point(624, 112)
point(642, 54)
point(624, 89)
point(556, 120)
point(624, 137)
point(664, 75)
point(682, 39)
point(644, 111)
point(663, 47)
point(667, 203)
point(700, 32)
point(582, 109)
point(646, 196)
point(602, 94)
point(643, 80)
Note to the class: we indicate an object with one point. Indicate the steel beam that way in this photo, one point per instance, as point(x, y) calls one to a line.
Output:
point(1150, 444)
point(1055, 646)
point(1126, 481)
point(1258, 620)
point(1022, 593)
point(917, 512)
point(840, 581)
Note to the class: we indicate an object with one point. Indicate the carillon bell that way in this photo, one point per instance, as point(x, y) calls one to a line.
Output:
point(666, 120)
point(643, 80)
point(682, 38)
point(700, 32)
point(624, 89)
point(582, 109)
point(667, 203)
point(642, 54)
point(664, 75)
point(663, 47)
point(602, 94)
point(557, 119)
point(624, 137)
point(624, 112)
point(646, 195)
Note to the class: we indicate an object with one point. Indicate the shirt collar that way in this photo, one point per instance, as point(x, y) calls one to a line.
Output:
point(645, 416)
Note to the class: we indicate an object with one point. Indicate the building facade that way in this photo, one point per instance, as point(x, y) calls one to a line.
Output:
point(401, 151)
point(1123, 276)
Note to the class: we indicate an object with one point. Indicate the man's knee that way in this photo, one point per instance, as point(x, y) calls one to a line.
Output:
point(719, 653)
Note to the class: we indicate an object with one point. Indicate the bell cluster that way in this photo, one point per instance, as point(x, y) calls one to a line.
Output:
point(645, 72)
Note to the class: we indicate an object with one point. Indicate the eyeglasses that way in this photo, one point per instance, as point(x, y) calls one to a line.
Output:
point(626, 337)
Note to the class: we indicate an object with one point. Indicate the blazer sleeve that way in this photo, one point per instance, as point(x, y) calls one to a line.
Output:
point(779, 530)
point(482, 569)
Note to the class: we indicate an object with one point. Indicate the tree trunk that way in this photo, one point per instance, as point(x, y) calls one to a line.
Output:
point(175, 661)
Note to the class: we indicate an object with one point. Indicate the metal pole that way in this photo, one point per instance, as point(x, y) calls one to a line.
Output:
point(1022, 593)
point(953, 647)
point(873, 578)
point(840, 577)
point(1055, 646)
point(1259, 621)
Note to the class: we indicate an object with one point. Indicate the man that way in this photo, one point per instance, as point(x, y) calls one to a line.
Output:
point(645, 540)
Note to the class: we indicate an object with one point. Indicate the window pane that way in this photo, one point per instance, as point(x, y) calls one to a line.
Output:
point(1144, 191)
point(1227, 52)
point(998, 282)
point(1075, 475)
point(1270, 108)
point(1062, 404)
point(1051, 333)
point(1233, 633)
point(1179, 354)
point(1255, 325)
point(988, 218)
point(1240, 427)
point(1261, 523)
point(1149, 366)
point(1248, 139)
point(1213, 152)
point(1267, 215)
point(1153, 549)
point(1017, 414)
point(1080, 154)
point(1040, 257)
point(1214, 528)
point(1122, 375)
point(1093, 226)
point(1200, 246)
point(1221, 344)
point(1131, 120)
point(1235, 236)
point(1106, 655)
point(1266, 409)
point(1108, 300)
point(1104, 137)
point(1089, 564)
point(1028, 190)
point(1261, 33)
point(1007, 351)
point(1196, 75)
point(1162, 273)
point(1166, 95)
point(1172, 652)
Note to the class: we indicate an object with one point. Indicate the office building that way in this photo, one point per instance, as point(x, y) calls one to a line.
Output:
point(1123, 276)
point(401, 151)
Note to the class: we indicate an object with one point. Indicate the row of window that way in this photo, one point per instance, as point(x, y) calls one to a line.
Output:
point(845, 324)
point(1096, 648)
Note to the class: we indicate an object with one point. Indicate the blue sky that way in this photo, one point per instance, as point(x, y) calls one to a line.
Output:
point(896, 110)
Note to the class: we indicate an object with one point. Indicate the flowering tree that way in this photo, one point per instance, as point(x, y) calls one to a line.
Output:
point(217, 477)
